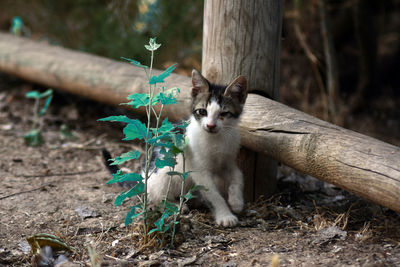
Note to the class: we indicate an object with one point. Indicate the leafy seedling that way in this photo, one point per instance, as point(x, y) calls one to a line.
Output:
point(34, 136)
point(164, 135)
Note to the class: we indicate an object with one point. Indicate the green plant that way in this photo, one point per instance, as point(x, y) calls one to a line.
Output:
point(34, 136)
point(18, 28)
point(164, 135)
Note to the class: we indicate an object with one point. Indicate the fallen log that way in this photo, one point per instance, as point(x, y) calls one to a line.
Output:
point(90, 76)
point(355, 162)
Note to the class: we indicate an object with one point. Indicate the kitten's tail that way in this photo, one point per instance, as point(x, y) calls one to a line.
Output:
point(113, 169)
point(106, 159)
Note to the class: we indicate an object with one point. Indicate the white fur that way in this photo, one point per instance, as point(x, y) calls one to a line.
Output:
point(211, 156)
point(213, 111)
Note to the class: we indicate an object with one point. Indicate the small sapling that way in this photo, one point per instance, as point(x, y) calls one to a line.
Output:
point(34, 136)
point(167, 137)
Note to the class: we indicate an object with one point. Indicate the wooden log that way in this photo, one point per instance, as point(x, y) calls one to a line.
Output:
point(355, 162)
point(243, 38)
point(360, 164)
point(90, 76)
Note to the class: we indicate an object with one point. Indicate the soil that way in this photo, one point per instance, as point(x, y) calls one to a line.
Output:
point(59, 188)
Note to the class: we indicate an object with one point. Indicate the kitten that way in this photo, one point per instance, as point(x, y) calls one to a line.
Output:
point(214, 142)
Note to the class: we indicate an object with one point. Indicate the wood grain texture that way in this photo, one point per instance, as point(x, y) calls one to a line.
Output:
point(360, 164)
point(90, 76)
point(242, 37)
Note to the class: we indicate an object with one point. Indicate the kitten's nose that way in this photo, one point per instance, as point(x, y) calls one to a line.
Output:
point(211, 126)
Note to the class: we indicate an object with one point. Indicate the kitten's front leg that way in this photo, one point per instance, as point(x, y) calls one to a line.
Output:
point(223, 215)
point(235, 191)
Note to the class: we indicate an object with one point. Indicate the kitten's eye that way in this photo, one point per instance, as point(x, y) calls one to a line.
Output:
point(225, 114)
point(201, 111)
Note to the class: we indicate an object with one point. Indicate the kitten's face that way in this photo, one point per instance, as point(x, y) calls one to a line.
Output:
point(217, 108)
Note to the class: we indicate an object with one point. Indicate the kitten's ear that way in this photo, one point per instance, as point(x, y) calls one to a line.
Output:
point(200, 84)
point(237, 89)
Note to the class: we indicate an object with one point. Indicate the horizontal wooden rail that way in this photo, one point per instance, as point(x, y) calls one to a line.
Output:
point(355, 162)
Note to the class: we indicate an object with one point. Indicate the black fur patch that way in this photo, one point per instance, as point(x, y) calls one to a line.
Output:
point(216, 93)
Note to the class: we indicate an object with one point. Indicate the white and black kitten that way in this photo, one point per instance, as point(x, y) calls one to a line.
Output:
point(214, 143)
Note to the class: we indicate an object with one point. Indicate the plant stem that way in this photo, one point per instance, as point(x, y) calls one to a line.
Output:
point(183, 183)
point(181, 199)
point(149, 148)
point(36, 123)
point(148, 153)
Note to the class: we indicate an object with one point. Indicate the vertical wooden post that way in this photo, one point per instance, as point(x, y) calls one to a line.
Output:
point(243, 37)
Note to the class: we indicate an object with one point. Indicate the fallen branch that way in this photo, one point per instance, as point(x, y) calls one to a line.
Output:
point(25, 191)
point(355, 162)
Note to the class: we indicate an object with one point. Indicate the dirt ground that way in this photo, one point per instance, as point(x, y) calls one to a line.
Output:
point(59, 189)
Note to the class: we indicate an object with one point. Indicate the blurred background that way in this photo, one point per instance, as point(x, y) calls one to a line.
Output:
point(358, 90)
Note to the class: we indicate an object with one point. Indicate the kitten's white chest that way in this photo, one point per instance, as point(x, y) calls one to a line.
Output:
point(210, 150)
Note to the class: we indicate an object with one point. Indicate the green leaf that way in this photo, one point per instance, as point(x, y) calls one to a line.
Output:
point(164, 132)
point(194, 188)
point(134, 62)
point(135, 130)
point(152, 46)
point(157, 138)
point(46, 105)
point(186, 175)
point(138, 100)
point(136, 190)
point(160, 224)
point(167, 99)
point(16, 25)
point(161, 163)
point(33, 137)
point(132, 214)
point(179, 143)
point(33, 94)
point(168, 159)
point(160, 78)
point(164, 99)
point(120, 177)
point(182, 125)
point(166, 126)
point(47, 93)
point(156, 46)
point(187, 196)
point(125, 157)
point(37, 95)
point(170, 208)
point(119, 118)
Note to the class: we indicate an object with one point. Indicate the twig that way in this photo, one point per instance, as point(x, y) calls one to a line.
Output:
point(113, 258)
point(23, 192)
point(332, 83)
point(313, 60)
point(59, 174)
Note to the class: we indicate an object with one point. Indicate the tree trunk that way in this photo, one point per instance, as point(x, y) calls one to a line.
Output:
point(243, 38)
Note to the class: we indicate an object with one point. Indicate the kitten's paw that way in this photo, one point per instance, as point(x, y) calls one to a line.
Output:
point(236, 205)
point(227, 220)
